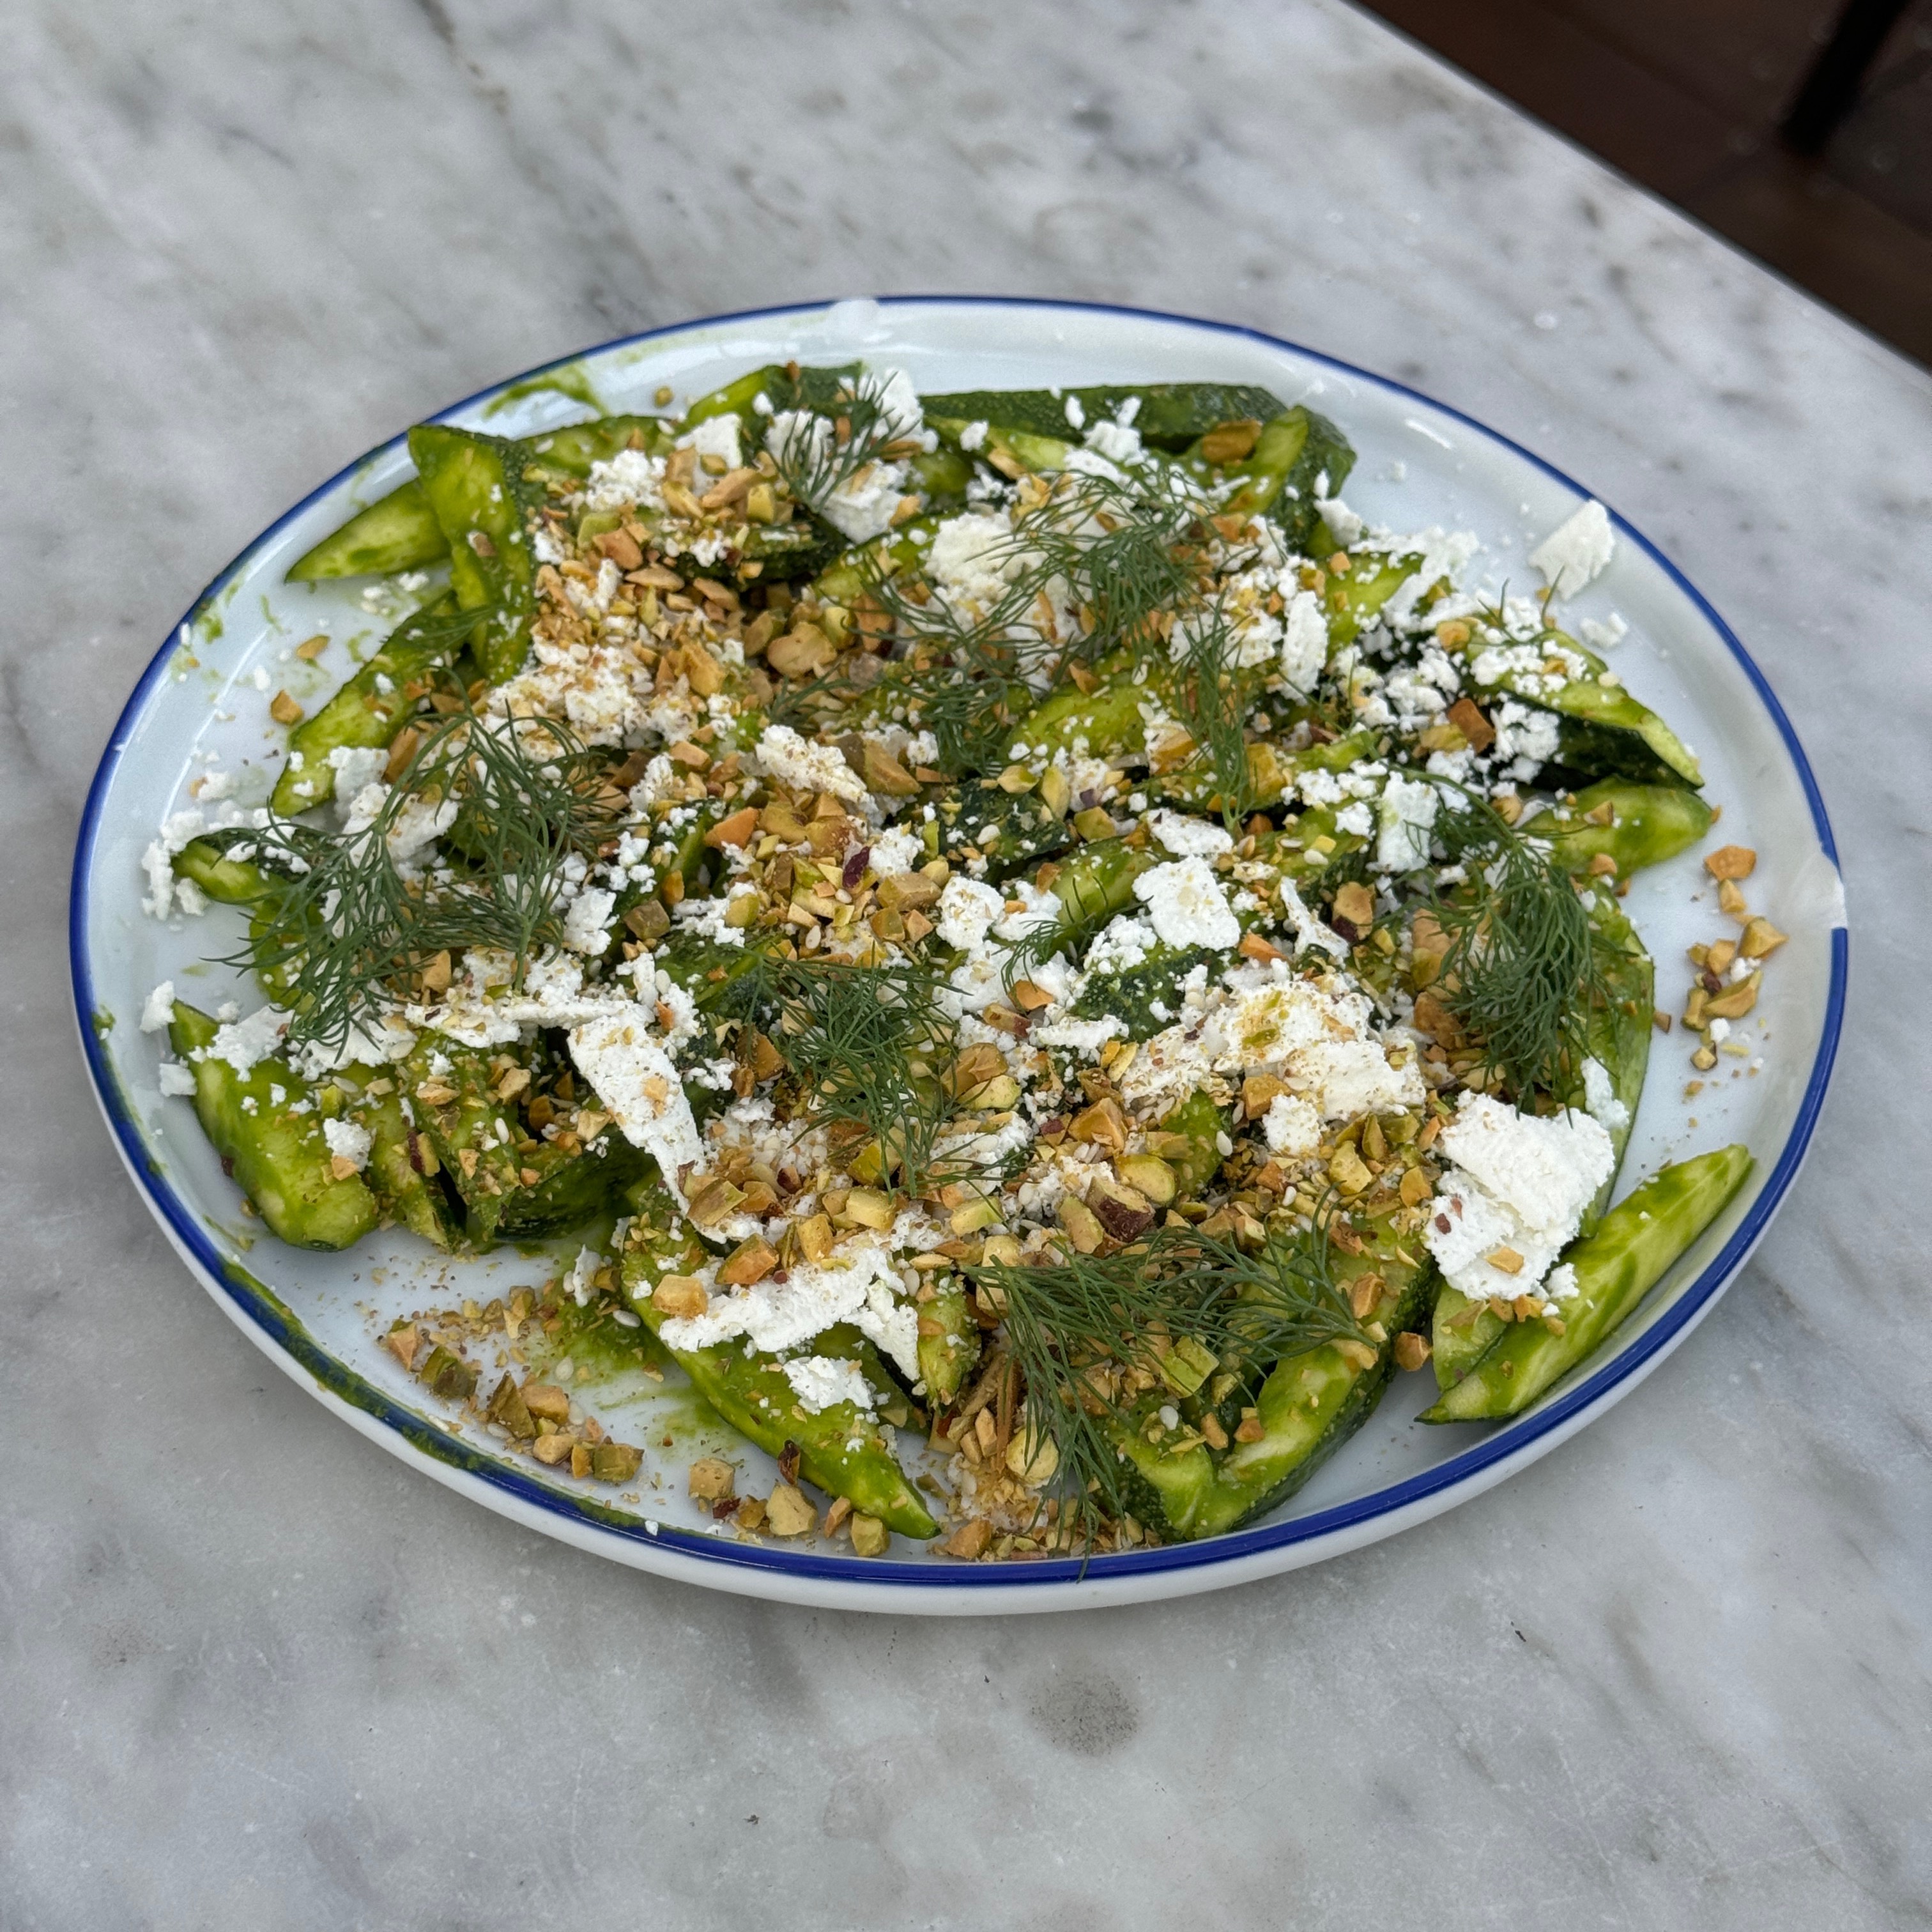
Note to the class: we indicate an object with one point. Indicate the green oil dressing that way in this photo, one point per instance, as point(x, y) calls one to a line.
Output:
point(571, 379)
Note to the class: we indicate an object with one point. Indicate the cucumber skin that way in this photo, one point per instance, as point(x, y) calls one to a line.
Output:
point(1183, 1498)
point(279, 1159)
point(397, 532)
point(362, 713)
point(1171, 415)
point(1650, 824)
point(1616, 1267)
point(475, 484)
point(868, 1477)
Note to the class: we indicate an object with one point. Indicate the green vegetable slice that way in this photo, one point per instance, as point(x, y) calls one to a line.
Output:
point(1634, 1245)
point(278, 1155)
point(475, 484)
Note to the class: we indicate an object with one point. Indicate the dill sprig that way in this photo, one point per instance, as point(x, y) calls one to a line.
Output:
point(1119, 551)
point(1078, 1328)
point(1525, 966)
point(829, 446)
point(1213, 699)
point(513, 804)
point(867, 1043)
point(1127, 548)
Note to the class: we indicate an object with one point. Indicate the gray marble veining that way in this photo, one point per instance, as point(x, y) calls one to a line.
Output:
point(254, 1673)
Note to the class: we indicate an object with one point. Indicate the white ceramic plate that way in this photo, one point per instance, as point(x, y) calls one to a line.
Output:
point(317, 1315)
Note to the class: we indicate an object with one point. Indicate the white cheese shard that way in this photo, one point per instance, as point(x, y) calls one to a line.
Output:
point(1576, 552)
point(1599, 1097)
point(1187, 905)
point(1322, 1046)
point(822, 1382)
point(714, 436)
point(1407, 812)
point(243, 1044)
point(1304, 642)
point(858, 1283)
point(634, 1077)
point(1291, 1125)
point(1519, 1187)
point(159, 1009)
point(348, 1141)
point(1187, 837)
point(966, 911)
point(177, 1080)
point(586, 925)
point(807, 766)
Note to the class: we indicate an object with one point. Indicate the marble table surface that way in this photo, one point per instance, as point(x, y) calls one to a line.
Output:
point(255, 1673)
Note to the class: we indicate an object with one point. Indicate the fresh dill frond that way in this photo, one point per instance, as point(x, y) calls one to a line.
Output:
point(1126, 548)
point(868, 1044)
point(513, 805)
point(1525, 966)
point(1091, 1334)
point(822, 449)
point(1213, 699)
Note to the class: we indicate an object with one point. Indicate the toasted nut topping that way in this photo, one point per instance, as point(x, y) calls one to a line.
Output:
point(1083, 1228)
point(1356, 903)
point(750, 1260)
point(1761, 939)
point(284, 710)
point(788, 1512)
point(1507, 1259)
point(1468, 718)
point(1411, 1350)
point(1731, 861)
point(682, 1297)
point(969, 1541)
point(1729, 899)
point(711, 1480)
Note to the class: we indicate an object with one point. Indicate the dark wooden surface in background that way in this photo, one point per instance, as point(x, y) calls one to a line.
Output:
point(1686, 96)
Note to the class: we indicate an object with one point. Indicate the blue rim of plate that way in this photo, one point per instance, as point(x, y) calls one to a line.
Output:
point(267, 1314)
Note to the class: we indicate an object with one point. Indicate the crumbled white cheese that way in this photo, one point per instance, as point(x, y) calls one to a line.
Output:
point(348, 1141)
point(355, 765)
point(1187, 837)
point(895, 851)
point(586, 925)
point(1519, 1183)
point(244, 1043)
point(176, 1079)
point(159, 1009)
point(1407, 812)
point(1291, 1125)
point(1577, 551)
point(1605, 635)
point(858, 1283)
point(715, 436)
point(629, 477)
point(1118, 442)
point(1187, 905)
point(806, 766)
point(1124, 942)
point(1304, 642)
point(966, 911)
point(1599, 1097)
point(822, 1382)
point(1346, 527)
point(634, 1078)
